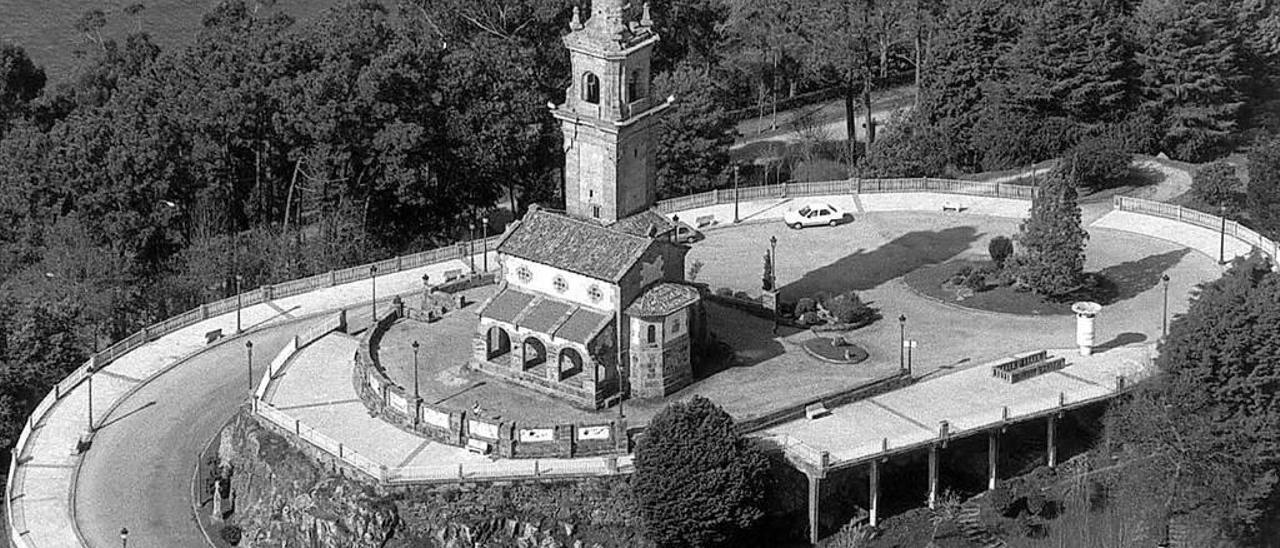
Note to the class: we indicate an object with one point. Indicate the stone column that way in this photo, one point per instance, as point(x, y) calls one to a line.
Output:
point(873, 492)
point(815, 488)
point(933, 476)
point(993, 455)
point(1053, 441)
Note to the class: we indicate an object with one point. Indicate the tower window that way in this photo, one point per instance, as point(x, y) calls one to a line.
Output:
point(591, 88)
point(595, 211)
point(652, 335)
point(633, 86)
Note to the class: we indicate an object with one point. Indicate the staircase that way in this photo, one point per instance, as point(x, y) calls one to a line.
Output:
point(972, 527)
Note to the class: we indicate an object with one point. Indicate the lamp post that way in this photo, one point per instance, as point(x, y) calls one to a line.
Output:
point(773, 279)
point(1164, 318)
point(902, 342)
point(124, 537)
point(484, 223)
point(248, 345)
point(416, 397)
point(373, 278)
point(735, 194)
point(471, 244)
point(238, 302)
point(1222, 235)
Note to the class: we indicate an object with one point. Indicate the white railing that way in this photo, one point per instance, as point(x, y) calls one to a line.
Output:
point(1227, 227)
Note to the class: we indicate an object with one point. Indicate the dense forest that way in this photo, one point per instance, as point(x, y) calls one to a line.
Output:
point(150, 181)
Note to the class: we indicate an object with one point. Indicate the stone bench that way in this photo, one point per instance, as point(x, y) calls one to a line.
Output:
point(705, 220)
point(1026, 366)
point(950, 205)
point(478, 447)
point(816, 410)
point(451, 275)
point(212, 336)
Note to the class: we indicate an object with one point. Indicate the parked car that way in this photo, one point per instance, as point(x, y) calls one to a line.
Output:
point(814, 214)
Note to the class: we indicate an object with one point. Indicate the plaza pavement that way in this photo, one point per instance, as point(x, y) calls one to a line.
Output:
point(970, 400)
point(41, 485)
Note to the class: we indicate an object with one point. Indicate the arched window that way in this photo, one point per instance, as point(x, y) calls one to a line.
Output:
point(652, 335)
point(634, 89)
point(591, 88)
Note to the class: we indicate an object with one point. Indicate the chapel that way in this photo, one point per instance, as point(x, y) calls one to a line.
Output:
point(592, 304)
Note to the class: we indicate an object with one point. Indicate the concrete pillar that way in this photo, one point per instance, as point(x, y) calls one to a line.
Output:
point(873, 492)
point(933, 476)
point(1053, 441)
point(814, 490)
point(993, 455)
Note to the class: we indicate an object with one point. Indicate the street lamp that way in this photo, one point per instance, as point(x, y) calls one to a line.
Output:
point(471, 244)
point(248, 345)
point(735, 194)
point(1222, 235)
point(124, 537)
point(238, 302)
point(773, 279)
point(484, 222)
point(1164, 318)
point(902, 341)
point(373, 278)
point(415, 375)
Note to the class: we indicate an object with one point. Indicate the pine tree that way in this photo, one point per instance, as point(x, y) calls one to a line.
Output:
point(1051, 241)
point(693, 144)
point(697, 481)
point(1190, 73)
point(1264, 187)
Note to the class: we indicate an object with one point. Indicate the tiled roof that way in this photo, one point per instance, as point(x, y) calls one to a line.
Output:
point(543, 315)
point(662, 299)
point(640, 223)
point(583, 326)
point(506, 305)
point(575, 245)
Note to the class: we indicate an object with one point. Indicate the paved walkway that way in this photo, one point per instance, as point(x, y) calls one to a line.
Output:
point(42, 483)
point(970, 400)
point(39, 496)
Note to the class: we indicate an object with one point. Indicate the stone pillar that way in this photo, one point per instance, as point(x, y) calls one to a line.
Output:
point(993, 455)
point(1053, 441)
point(1085, 312)
point(933, 476)
point(873, 493)
point(815, 487)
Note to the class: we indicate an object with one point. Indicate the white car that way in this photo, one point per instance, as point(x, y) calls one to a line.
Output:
point(814, 214)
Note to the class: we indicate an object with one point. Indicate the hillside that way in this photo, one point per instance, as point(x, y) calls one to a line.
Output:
point(47, 28)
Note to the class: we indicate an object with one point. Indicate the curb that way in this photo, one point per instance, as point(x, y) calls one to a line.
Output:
point(195, 481)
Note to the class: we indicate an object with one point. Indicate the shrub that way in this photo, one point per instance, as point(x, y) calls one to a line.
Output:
point(1097, 163)
point(231, 534)
point(848, 308)
point(976, 280)
point(1216, 184)
point(724, 292)
point(742, 295)
point(806, 305)
point(767, 278)
point(694, 269)
point(961, 275)
point(1000, 499)
point(1000, 248)
point(809, 318)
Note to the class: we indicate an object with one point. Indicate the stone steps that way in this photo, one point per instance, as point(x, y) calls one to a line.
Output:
point(973, 529)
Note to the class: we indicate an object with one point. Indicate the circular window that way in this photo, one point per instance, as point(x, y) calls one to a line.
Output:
point(560, 284)
point(524, 274)
point(595, 293)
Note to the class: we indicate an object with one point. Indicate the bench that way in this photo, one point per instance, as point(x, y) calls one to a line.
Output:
point(212, 336)
point(815, 410)
point(953, 206)
point(451, 275)
point(705, 220)
point(1027, 366)
point(478, 447)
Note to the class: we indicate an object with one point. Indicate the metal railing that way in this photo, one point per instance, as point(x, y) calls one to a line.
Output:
point(1227, 227)
point(847, 186)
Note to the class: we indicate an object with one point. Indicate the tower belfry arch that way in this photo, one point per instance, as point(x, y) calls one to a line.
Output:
point(608, 118)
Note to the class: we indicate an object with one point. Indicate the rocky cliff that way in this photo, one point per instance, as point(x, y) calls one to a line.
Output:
point(285, 498)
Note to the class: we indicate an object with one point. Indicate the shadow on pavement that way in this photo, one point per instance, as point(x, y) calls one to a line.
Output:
point(867, 269)
point(126, 415)
point(1121, 340)
point(747, 340)
point(1126, 280)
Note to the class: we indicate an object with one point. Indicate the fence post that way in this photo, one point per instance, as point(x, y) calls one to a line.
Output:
point(297, 427)
point(268, 292)
point(715, 196)
point(1179, 213)
point(204, 312)
point(333, 278)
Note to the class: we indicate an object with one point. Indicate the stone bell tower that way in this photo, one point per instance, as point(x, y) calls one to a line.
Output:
point(607, 118)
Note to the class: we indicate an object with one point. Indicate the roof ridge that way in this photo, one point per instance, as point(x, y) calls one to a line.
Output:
point(594, 224)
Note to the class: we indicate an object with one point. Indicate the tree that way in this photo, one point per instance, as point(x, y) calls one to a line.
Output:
point(694, 135)
point(1203, 437)
point(1000, 248)
point(908, 148)
point(20, 82)
point(1098, 163)
point(1216, 185)
point(1190, 73)
point(1264, 187)
point(697, 481)
point(1051, 240)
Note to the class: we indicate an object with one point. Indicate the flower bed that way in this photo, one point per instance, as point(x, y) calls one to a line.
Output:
point(834, 350)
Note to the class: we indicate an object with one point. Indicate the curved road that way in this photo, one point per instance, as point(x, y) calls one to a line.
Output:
point(138, 472)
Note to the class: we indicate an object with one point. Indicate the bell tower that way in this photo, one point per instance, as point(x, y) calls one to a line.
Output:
point(607, 119)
